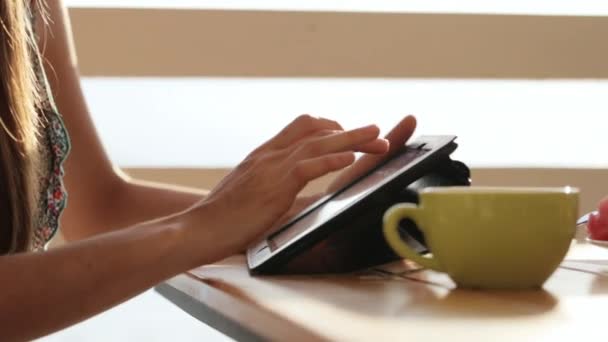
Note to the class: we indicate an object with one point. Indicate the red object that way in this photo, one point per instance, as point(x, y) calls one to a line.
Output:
point(598, 223)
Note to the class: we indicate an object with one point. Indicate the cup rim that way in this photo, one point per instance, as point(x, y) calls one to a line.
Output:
point(565, 190)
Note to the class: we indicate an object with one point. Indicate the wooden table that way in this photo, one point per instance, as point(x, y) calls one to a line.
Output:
point(399, 301)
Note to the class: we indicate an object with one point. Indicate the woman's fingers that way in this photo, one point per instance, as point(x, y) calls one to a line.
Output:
point(307, 170)
point(378, 146)
point(300, 128)
point(351, 140)
point(401, 133)
point(397, 137)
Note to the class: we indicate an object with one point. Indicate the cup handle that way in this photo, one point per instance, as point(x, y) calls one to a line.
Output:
point(391, 232)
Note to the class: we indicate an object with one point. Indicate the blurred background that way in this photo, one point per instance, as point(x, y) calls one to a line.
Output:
point(520, 83)
point(523, 84)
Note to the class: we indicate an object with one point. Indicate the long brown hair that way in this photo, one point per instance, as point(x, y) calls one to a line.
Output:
point(18, 126)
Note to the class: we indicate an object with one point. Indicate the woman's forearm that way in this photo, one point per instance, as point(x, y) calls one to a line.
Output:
point(44, 292)
point(144, 200)
point(127, 203)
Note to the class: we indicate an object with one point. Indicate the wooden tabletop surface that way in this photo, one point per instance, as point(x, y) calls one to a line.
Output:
point(399, 301)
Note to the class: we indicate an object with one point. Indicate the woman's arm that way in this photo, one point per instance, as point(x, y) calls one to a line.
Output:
point(43, 292)
point(101, 198)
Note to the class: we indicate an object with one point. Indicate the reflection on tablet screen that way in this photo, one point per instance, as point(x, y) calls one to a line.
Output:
point(343, 200)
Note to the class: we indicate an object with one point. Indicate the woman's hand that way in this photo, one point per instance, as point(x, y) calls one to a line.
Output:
point(262, 188)
point(397, 137)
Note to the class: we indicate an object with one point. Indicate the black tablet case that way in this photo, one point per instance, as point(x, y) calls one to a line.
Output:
point(360, 243)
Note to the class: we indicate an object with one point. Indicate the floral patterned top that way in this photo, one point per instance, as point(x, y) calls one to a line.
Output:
point(53, 150)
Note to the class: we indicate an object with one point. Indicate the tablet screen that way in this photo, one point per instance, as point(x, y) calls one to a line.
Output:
point(343, 199)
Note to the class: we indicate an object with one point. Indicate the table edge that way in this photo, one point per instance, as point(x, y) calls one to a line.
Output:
point(238, 319)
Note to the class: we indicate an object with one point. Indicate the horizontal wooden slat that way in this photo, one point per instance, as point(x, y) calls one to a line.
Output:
point(164, 42)
point(593, 183)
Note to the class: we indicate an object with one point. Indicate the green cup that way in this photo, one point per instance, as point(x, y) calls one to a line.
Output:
point(490, 237)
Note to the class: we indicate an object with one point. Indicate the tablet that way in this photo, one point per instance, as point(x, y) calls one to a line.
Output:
point(371, 193)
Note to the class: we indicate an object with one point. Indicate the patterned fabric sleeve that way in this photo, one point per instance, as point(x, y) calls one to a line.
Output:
point(55, 147)
point(53, 199)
